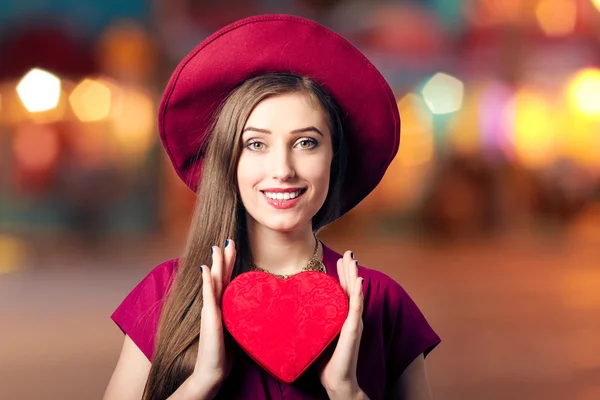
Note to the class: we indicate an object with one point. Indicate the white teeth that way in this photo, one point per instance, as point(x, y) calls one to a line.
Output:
point(283, 196)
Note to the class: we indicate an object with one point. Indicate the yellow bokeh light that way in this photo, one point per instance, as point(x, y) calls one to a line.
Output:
point(579, 139)
point(584, 91)
point(535, 137)
point(134, 125)
point(596, 4)
point(417, 131)
point(39, 90)
point(556, 17)
point(91, 100)
point(443, 94)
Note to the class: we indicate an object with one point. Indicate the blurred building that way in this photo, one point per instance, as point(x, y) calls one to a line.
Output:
point(499, 102)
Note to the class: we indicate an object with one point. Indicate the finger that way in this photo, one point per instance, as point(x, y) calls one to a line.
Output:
point(349, 343)
point(208, 291)
point(206, 295)
point(341, 274)
point(210, 321)
point(230, 253)
point(209, 304)
point(348, 260)
point(216, 271)
point(357, 322)
point(353, 271)
point(353, 323)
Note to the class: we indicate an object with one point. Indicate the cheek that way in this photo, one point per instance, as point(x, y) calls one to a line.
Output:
point(319, 174)
point(247, 175)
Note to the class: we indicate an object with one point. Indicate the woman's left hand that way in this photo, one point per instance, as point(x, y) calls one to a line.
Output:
point(338, 373)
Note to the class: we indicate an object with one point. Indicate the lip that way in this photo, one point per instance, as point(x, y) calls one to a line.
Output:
point(283, 204)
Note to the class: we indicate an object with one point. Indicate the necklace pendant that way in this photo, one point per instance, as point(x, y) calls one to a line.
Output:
point(315, 265)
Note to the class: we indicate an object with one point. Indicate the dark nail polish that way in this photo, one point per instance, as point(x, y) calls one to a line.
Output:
point(201, 269)
point(356, 262)
point(227, 243)
point(352, 255)
point(212, 250)
point(362, 281)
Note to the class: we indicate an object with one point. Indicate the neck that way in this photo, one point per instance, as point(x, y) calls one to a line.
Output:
point(281, 253)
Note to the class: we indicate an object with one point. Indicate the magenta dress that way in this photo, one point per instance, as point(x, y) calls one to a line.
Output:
point(395, 333)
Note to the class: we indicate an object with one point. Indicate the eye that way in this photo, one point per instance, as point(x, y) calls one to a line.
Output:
point(307, 143)
point(255, 146)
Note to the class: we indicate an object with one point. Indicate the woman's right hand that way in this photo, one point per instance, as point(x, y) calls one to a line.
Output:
point(214, 361)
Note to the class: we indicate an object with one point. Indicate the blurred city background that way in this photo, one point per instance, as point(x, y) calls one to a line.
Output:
point(489, 216)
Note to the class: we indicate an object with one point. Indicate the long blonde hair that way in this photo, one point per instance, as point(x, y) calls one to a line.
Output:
point(219, 214)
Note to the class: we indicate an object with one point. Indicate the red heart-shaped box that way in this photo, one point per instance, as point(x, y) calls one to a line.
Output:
point(284, 324)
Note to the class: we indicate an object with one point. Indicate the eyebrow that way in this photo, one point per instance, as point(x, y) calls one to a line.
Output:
point(301, 130)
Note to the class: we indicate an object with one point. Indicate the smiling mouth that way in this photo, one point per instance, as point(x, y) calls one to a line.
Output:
point(282, 197)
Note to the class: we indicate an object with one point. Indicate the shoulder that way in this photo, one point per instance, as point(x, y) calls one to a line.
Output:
point(381, 282)
point(156, 282)
point(162, 275)
point(385, 298)
point(376, 283)
point(139, 312)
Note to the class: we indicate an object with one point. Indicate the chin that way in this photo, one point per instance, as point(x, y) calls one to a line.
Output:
point(282, 225)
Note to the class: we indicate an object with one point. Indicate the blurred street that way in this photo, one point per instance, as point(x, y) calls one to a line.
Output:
point(519, 318)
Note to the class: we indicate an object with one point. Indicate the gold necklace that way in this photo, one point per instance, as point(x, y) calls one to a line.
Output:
point(314, 264)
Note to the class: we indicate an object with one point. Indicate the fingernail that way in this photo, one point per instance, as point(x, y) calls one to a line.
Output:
point(356, 262)
point(201, 269)
point(227, 243)
point(352, 255)
point(362, 281)
point(212, 250)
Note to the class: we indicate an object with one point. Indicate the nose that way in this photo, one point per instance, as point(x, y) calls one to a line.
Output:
point(281, 165)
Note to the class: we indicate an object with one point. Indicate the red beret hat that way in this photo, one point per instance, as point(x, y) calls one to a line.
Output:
point(282, 43)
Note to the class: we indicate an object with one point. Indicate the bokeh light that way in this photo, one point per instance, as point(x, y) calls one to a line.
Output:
point(133, 122)
point(39, 90)
point(35, 146)
point(417, 131)
point(12, 254)
point(579, 140)
point(463, 134)
point(557, 17)
point(495, 117)
point(534, 134)
point(443, 94)
point(125, 51)
point(584, 91)
point(91, 100)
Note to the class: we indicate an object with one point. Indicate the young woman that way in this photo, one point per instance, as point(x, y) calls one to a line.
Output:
point(281, 127)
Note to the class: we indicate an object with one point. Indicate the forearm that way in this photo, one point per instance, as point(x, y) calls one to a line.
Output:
point(195, 389)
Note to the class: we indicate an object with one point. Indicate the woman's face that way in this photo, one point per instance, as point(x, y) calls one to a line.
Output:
point(283, 171)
